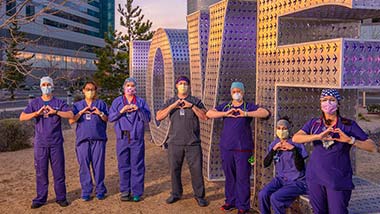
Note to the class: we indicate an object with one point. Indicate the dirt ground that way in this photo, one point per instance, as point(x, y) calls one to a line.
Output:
point(17, 185)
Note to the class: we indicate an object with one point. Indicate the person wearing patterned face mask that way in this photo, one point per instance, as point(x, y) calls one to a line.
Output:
point(130, 113)
point(236, 146)
point(48, 112)
point(289, 181)
point(329, 171)
point(91, 116)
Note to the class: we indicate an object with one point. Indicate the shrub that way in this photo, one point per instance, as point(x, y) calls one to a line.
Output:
point(373, 108)
point(15, 135)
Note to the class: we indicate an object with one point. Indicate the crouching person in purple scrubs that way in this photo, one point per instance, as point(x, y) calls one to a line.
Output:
point(48, 142)
point(130, 113)
point(91, 115)
point(329, 171)
point(236, 146)
point(289, 181)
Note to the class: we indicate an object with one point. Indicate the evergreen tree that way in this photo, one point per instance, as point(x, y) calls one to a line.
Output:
point(16, 65)
point(112, 64)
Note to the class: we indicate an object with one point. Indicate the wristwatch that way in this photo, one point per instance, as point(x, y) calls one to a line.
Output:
point(352, 141)
point(101, 114)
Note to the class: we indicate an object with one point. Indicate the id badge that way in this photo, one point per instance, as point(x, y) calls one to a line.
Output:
point(182, 112)
point(88, 116)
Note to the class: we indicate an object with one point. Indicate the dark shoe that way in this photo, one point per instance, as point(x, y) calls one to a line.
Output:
point(125, 197)
point(243, 212)
point(86, 198)
point(136, 198)
point(202, 202)
point(36, 206)
point(227, 207)
point(63, 203)
point(172, 199)
point(100, 196)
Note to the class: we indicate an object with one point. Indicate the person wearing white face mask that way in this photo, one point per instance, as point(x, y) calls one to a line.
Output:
point(329, 171)
point(236, 146)
point(47, 111)
point(130, 113)
point(184, 112)
point(289, 181)
point(91, 116)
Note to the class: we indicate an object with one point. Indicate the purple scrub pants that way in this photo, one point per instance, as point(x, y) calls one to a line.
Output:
point(237, 171)
point(131, 164)
point(280, 194)
point(328, 201)
point(42, 156)
point(91, 154)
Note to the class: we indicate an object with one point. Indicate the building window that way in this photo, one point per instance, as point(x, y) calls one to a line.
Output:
point(30, 11)
point(10, 7)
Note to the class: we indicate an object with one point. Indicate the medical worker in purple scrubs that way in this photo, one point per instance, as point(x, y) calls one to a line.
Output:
point(236, 146)
point(329, 171)
point(47, 111)
point(130, 113)
point(91, 115)
point(289, 181)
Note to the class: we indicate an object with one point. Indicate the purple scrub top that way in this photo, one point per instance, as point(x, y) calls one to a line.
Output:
point(48, 131)
point(93, 129)
point(132, 122)
point(332, 167)
point(237, 132)
point(285, 166)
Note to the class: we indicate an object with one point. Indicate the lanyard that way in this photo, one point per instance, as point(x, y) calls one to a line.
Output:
point(229, 106)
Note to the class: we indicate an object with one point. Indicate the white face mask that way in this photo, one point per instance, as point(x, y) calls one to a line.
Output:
point(237, 96)
point(46, 89)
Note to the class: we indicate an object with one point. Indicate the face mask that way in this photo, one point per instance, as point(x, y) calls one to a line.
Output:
point(89, 94)
point(130, 90)
point(182, 89)
point(46, 89)
point(237, 96)
point(282, 134)
point(329, 107)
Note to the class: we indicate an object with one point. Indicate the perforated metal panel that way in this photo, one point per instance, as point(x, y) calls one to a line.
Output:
point(138, 64)
point(168, 59)
point(300, 49)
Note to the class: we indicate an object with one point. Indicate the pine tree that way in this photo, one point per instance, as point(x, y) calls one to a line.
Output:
point(16, 65)
point(112, 62)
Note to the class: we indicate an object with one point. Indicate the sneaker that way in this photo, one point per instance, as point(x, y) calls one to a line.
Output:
point(172, 199)
point(101, 196)
point(86, 198)
point(227, 207)
point(243, 212)
point(202, 202)
point(136, 198)
point(125, 197)
point(36, 206)
point(63, 203)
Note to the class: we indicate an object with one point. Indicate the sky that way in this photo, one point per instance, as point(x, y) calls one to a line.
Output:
point(164, 13)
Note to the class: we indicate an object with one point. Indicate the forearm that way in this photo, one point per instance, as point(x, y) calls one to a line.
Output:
point(104, 118)
point(215, 114)
point(298, 160)
point(201, 113)
point(162, 114)
point(25, 116)
point(269, 158)
point(367, 145)
point(65, 114)
point(259, 113)
point(304, 138)
point(75, 118)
